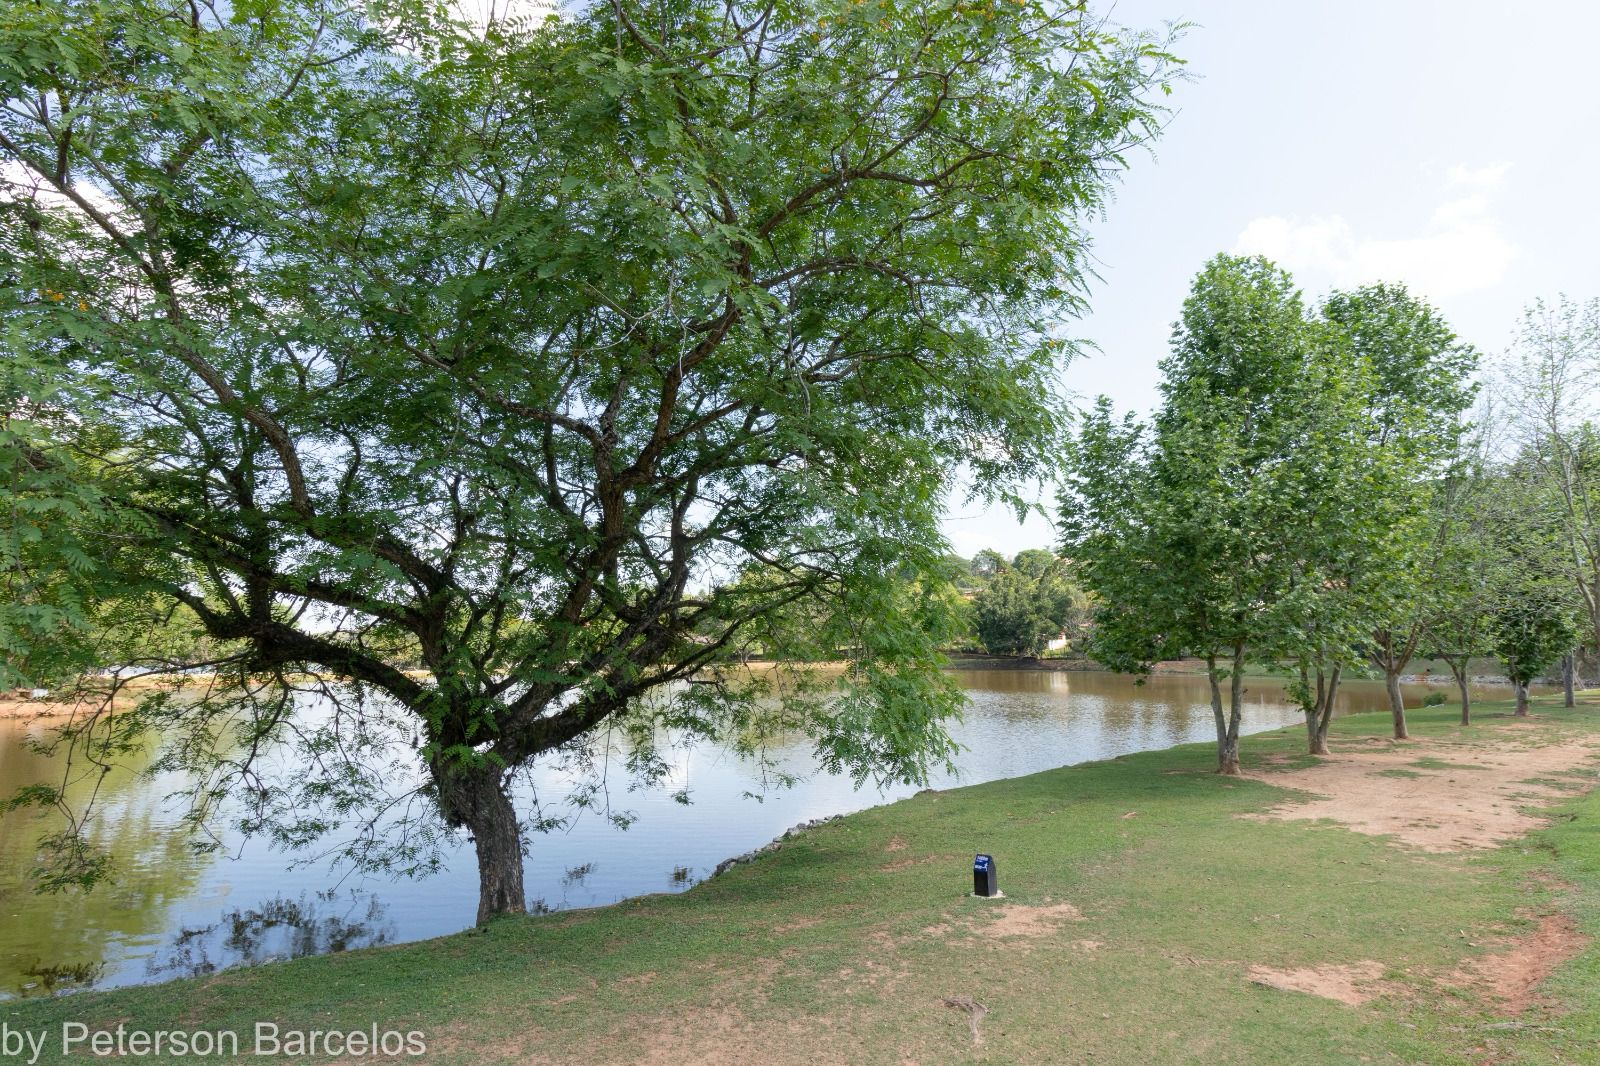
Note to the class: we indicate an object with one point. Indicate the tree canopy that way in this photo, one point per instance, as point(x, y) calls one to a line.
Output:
point(1268, 508)
point(367, 336)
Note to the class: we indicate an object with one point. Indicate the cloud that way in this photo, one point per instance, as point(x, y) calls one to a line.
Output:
point(1488, 177)
point(1464, 249)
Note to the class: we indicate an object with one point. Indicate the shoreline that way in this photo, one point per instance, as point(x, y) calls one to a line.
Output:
point(861, 932)
point(787, 837)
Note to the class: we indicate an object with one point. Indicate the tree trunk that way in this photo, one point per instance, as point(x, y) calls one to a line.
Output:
point(1522, 699)
point(1568, 668)
point(1228, 757)
point(476, 799)
point(1397, 703)
point(1321, 712)
point(1227, 739)
point(1316, 739)
point(499, 843)
point(1228, 747)
point(1466, 696)
point(1327, 699)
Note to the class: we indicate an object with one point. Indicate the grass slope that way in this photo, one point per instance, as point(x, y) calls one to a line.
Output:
point(844, 945)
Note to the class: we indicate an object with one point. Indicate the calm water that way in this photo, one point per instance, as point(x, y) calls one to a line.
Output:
point(172, 913)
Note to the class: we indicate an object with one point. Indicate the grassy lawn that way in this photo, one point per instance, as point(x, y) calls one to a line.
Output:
point(1137, 904)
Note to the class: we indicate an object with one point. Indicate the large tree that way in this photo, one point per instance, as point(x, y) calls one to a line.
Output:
point(367, 336)
point(1272, 506)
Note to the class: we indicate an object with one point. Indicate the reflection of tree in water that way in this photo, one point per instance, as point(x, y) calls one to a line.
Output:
point(281, 928)
point(52, 942)
point(45, 979)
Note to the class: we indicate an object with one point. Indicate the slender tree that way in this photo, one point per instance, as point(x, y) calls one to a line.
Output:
point(1552, 375)
point(1536, 610)
point(1466, 582)
point(1530, 634)
point(1193, 533)
point(367, 336)
point(1420, 388)
point(1274, 507)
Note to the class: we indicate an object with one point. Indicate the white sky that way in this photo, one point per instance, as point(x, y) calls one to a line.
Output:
point(1452, 146)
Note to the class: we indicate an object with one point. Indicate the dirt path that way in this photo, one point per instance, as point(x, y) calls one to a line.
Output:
point(1441, 796)
point(1444, 796)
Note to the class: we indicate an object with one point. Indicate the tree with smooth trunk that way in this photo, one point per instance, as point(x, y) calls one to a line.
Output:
point(372, 337)
point(1536, 610)
point(1466, 580)
point(1219, 530)
point(1531, 633)
point(1420, 387)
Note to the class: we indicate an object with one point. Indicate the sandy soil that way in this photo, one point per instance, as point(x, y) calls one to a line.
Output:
point(1488, 793)
point(1017, 920)
point(1511, 978)
point(68, 700)
point(1477, 802)
point(1348, 984)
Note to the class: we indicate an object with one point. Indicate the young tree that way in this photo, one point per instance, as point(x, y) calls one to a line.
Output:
point(1536, 609)
point(1192, 533)
point(368, 336)
point(1274, 507)
point(1531, 632)
point(1459, 623)
point(1421, 387)
point(1553, 379)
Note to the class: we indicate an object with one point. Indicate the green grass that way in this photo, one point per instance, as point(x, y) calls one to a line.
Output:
point(1430, 763)
point(844, 944)
point(1399, 772)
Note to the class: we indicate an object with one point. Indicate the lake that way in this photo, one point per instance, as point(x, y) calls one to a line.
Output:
point(173, 913)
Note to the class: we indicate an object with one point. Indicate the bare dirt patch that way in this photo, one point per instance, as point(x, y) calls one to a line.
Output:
point(720, 1036)
point(522, 1047)
point(730, 1027)
point(1439, 810)
point(906, 862)
point(1510, 979)
point(639, 978)
point(1017, 920)
point(1353, 984)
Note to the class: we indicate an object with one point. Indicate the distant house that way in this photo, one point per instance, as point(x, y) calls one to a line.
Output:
point(1056, 643)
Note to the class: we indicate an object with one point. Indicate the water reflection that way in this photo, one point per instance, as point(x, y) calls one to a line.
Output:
point(279, 929)
point(172, 912)
point(65, 941)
